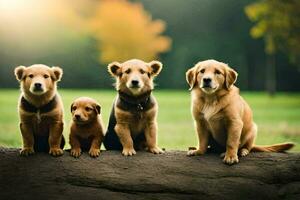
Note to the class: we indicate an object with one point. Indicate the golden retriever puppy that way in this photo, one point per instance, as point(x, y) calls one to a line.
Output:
point(86, 128)
point(132, 123)
point(40, 109)
point(220, 114)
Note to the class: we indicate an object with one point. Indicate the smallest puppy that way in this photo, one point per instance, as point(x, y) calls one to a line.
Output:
point(87, 131)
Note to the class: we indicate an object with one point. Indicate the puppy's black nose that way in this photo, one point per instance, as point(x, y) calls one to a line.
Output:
point(77, 117)
point(134, 82)
point(37, 85)
point(207, 80)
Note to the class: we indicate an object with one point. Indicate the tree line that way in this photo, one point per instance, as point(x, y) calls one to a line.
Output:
point(259, 39)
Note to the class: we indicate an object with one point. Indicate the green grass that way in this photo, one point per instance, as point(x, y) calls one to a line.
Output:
point(278, 118)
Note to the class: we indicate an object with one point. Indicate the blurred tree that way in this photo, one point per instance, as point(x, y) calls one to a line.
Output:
point(278, 22)
point(125, 30)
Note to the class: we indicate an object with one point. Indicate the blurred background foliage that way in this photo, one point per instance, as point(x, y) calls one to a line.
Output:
point(278, 23)
point(260, 39)
point(125, 30)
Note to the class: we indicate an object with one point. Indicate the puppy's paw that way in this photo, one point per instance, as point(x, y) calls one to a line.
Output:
point(156, 150)
point(128, 152)
point(26, 151)
point(56, 152)
point(94, 152)
point(244, 152)
point(230, 159)
point(75, 152)
point(194, 152)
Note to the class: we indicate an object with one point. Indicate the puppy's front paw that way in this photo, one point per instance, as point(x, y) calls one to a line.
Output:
point(156, 150)
point(56, 152)
point(75, 152)
point(230, 159)
point(128, 152)
point(194, 152)
point(94, 152)
point(26, 151)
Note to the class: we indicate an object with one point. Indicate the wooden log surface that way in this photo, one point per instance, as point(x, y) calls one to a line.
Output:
point(171, 175)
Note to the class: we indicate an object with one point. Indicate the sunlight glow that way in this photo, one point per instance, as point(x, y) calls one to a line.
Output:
point(12, 5)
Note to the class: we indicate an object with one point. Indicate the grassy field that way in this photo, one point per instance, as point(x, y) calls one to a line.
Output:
point(278, 118)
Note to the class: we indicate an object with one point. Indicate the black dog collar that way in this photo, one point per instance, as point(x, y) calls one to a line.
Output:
point(139, 103)
point(28, 107)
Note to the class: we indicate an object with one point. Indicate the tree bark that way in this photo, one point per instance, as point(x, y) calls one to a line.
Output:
point(171, 175)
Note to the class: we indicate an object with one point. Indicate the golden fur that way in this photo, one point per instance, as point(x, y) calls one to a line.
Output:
point(86, 125)
point(219, 111)
point(49, 124)
point(128, 123)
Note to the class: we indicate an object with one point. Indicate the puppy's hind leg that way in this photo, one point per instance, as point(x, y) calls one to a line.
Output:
point(246, 148)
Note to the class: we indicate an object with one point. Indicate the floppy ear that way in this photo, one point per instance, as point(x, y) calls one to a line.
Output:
point(191, 77)
point(97, 108)
point(19, 72)
point(57, 73)
point(114, 69)
point(155, 67)
point(71, 108)
point(230, 77)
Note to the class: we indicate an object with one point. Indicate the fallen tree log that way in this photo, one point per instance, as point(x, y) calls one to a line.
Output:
point(171, 175)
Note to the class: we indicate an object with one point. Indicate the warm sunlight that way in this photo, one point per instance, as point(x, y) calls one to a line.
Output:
point(10, 6)
point(19, 11)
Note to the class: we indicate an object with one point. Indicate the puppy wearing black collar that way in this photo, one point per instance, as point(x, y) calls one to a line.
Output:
point(40, 109)
point(133, 124)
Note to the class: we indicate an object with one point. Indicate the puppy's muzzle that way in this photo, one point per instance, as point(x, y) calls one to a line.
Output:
point(207, 82)
point(135, 84)
point(77, 117)
point(38, 87)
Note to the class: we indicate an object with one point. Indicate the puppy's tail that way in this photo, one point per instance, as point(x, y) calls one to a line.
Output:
point(282, 147)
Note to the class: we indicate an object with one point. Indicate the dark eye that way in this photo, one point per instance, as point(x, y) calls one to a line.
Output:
point(128, 71)
point(74, 108)
point(142, 71)
point(218, 72)
point(88, 109)
point(46, 76)
point(30, 75)
point(202, 71)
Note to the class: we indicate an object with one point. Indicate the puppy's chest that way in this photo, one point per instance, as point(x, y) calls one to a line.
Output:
point(213, 117)
point(137, 120)
point(38, 119)
point(40, 123)
point(39, 115)
point(84, 132)
point(210, 112)
point(42, 117)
